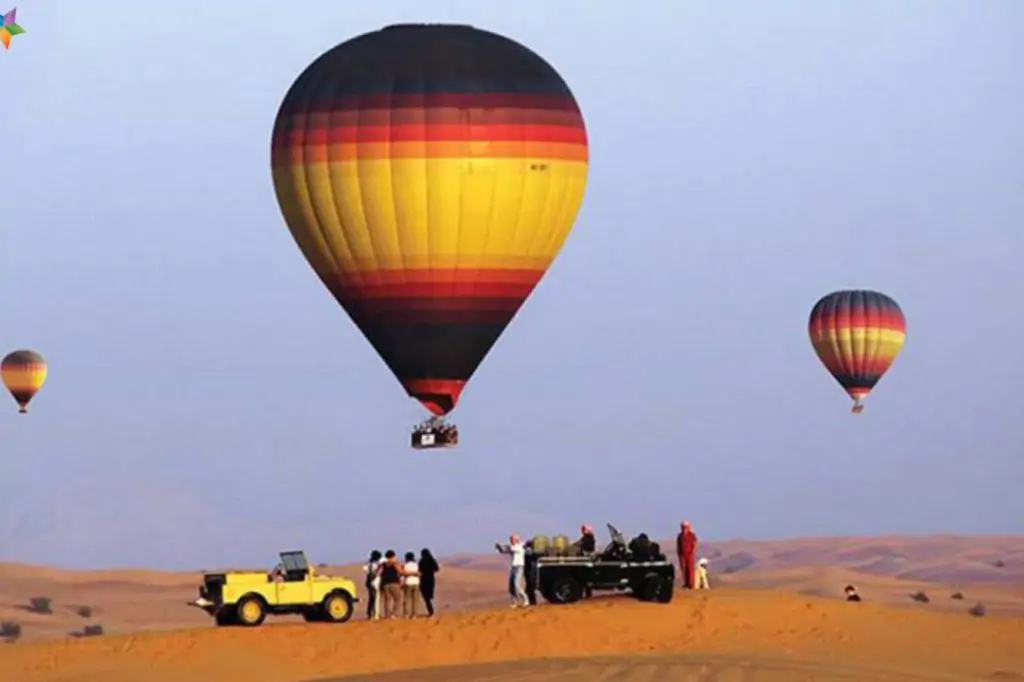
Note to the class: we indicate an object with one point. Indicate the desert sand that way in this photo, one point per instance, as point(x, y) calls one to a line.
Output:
point(777, 618)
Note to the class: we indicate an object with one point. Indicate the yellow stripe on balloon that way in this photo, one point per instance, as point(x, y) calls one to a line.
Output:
point(433, 212)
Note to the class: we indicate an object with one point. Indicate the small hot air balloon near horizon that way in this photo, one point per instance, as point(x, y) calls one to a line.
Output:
point(23, 372)
point(430, 174)
point(857, 334)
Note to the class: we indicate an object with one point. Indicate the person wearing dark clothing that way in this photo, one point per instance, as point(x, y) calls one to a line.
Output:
point(429, 568)
point(530, 570)
point(686, 551)
point(373, 585)
point(587, 542)
point(391, 584)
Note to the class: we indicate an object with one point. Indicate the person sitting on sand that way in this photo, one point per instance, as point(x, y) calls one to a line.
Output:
point(517, 552)
point(851, 593)
point(702, 575)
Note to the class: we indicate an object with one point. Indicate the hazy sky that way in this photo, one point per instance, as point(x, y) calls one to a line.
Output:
point(209, 402)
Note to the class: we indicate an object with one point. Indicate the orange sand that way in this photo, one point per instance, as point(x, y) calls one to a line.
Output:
point(744, 626)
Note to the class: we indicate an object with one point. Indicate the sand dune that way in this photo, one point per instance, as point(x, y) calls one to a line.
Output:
point(740, 634)
point(777, 617)
point(882, 568)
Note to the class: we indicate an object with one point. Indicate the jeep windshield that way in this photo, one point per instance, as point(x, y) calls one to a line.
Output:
point(294, 565)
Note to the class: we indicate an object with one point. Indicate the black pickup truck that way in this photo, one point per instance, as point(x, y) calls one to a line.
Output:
point(648, 575)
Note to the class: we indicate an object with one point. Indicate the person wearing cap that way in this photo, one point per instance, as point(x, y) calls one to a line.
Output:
point(517, 553)
point(702, 575)
point(686, 550)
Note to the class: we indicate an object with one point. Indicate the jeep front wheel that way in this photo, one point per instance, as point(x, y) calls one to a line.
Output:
point(337, 607)
point(251, 611)
point(226, 615)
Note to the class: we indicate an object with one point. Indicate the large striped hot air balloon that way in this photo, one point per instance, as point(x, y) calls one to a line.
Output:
point(857, 334)
point(430, 174)
point(23, 372)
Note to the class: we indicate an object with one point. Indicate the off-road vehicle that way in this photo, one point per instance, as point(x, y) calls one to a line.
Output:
point(293, 587)
point(639, 567)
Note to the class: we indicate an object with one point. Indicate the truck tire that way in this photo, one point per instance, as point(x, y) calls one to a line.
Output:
point(667, 590)
point(654, 588)
point(565, 590)
point(226, 616)
point(337, 607)
point(251, 611)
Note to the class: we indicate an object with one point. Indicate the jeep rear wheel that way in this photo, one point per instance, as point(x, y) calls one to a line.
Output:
point(251, 611)
point(566, 590)
point(656, 588)
point(337, 607)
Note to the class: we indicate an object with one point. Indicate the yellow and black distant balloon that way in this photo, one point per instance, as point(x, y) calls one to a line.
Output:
point(430, 175)
point(857, 335)
point(23, 372)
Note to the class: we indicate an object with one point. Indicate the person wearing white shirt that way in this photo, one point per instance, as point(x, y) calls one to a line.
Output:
point(410, 585)
point(372, 571)
point(517, 553)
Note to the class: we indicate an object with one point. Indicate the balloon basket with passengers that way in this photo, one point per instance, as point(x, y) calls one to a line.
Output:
point(491, 134)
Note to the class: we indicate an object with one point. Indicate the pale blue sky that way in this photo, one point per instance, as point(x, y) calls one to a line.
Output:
point(209, 402)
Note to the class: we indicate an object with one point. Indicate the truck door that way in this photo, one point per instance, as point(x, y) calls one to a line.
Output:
point(608, 574)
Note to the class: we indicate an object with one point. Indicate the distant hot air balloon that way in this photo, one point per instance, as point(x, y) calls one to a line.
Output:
point(24, 372)
point(430, 174)
point(857, 334)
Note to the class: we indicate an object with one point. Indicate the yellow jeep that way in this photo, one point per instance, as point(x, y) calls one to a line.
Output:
point(293, 587)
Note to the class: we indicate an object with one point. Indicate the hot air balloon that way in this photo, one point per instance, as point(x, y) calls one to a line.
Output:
point(24, 372)
point(430, 175)
point(857, 334)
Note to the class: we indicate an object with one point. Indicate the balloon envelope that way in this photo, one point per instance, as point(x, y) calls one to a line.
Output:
point(23, 372)
point(430, 174)
point(857, 335)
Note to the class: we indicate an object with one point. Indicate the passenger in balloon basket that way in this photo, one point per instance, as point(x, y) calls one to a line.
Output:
point(435, 433)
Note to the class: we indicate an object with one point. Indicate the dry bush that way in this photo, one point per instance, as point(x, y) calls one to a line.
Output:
point(920, 597)
point(978, 610)
point(957, 595)
point(10, 631)
point(92, 630)
point(40, 605)
point(999, 563)
point(84, 611)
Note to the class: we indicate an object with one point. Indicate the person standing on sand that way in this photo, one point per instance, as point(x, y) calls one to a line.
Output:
point(686, 550)
point(429, 568)
point(410, 585)
point(702, 575)
point(517, 551)
point(530, 573)
point(372, 570)
point(391, 583)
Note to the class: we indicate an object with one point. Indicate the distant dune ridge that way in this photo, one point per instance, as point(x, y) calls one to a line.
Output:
point(934, 558)
point(771, 603)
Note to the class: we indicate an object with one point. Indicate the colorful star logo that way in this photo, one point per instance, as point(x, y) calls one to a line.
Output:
point(9, 29)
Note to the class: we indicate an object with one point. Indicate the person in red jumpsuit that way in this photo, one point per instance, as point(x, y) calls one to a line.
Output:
point(686, 550)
